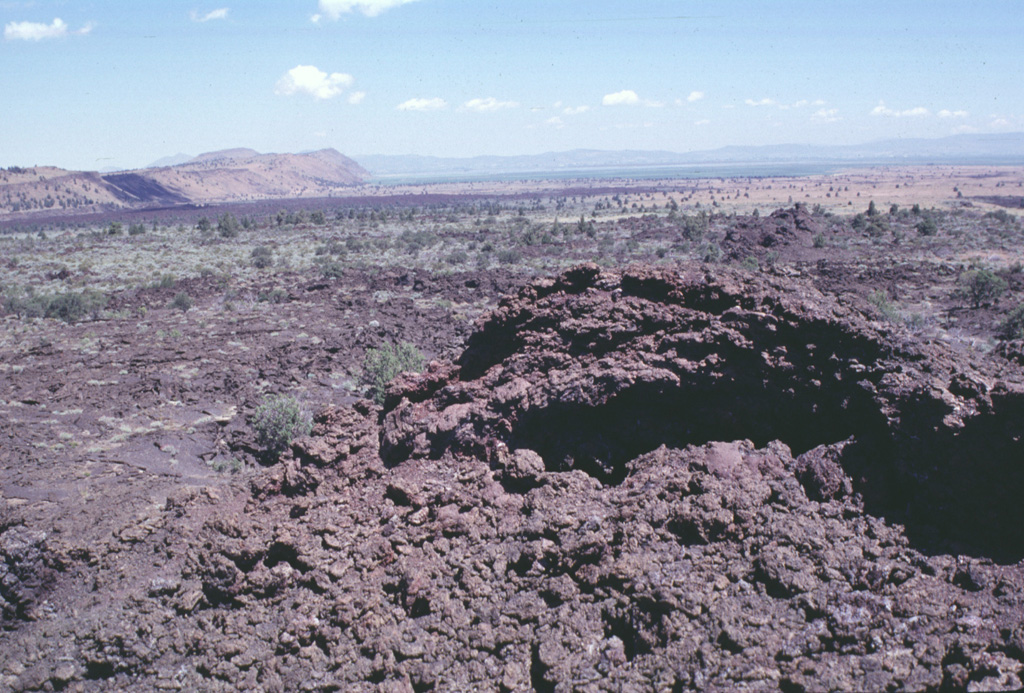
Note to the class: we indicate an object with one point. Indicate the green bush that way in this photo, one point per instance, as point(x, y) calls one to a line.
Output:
point(332, 270)
point(750, 263)
point(880, 300)
point(272, 296)
point(509, 256)
point(69, 307)
point(262, 257)
point(182, 301)
point(166, 281)
point(982, 286)
point(228, 226)
point(380, 366)
point(277, 422)
point(927, 227)
point(1012, 326)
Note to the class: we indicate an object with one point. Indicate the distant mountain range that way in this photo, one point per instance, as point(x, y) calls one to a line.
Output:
point(958, 149)
point(231, 175)
point(240, 175)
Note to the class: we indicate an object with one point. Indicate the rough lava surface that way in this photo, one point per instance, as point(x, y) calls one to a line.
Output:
point(683, 479)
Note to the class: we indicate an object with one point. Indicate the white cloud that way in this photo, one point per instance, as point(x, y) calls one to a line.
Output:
point(695, 96)
point(826, 115)
point(626, 97)
point(944, 113)
point(222, 13)
point(488, 105)
point(1000, 123)
point(356, 97)
point(371, 8)
point(575, 110)
point(37, 31)
point(308, 79)
point(702, 122)
point(555, 122)
point(760, 102)
point(882, 110)
point(434, 104)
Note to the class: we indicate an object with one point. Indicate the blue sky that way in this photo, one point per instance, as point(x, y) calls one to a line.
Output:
point(90, 85)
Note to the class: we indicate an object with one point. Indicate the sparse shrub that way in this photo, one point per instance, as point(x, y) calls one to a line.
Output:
point(710, 253)
point(456, 257)
point(231, 464)
point(272, 296)
point(694, 227)
point(380, 366)
point(332, 270)
point(228, 226)
point(69, 307)
point(982, 286)
point(318, 218)
point(1001, 215)
point(818, 241)
point(115, 229)
point(750, 263)
point(136, 229)
point(204, 225)
point(509, 256)
point(165, 281)
point(927, 227)
point(182, 301)
point(277, 422)
point(880, 300)
point(1012, 326)
point(332, 247)
point(262, 257)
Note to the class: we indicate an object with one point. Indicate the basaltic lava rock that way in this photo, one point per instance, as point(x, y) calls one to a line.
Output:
point(678, 479)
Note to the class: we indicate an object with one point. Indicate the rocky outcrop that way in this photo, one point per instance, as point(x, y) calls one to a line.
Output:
point(675, 479)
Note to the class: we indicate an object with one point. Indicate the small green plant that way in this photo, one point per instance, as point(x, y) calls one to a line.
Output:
point(509, 256)
point(273, 296)
point(182, 301)
point(880, 300)
point(380, 366)
point(231, 464)
point(710, 253)
point(228, 226)
point(332, 270)
point(1012, 326)
point(750, 263)
point(927, 227)
point(982, 286)
point(819, 240)
point(262, 257)
point(165, 281)
point(277, 422)
point(69, 307)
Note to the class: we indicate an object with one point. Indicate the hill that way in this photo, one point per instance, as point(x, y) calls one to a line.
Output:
point(233, 175)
